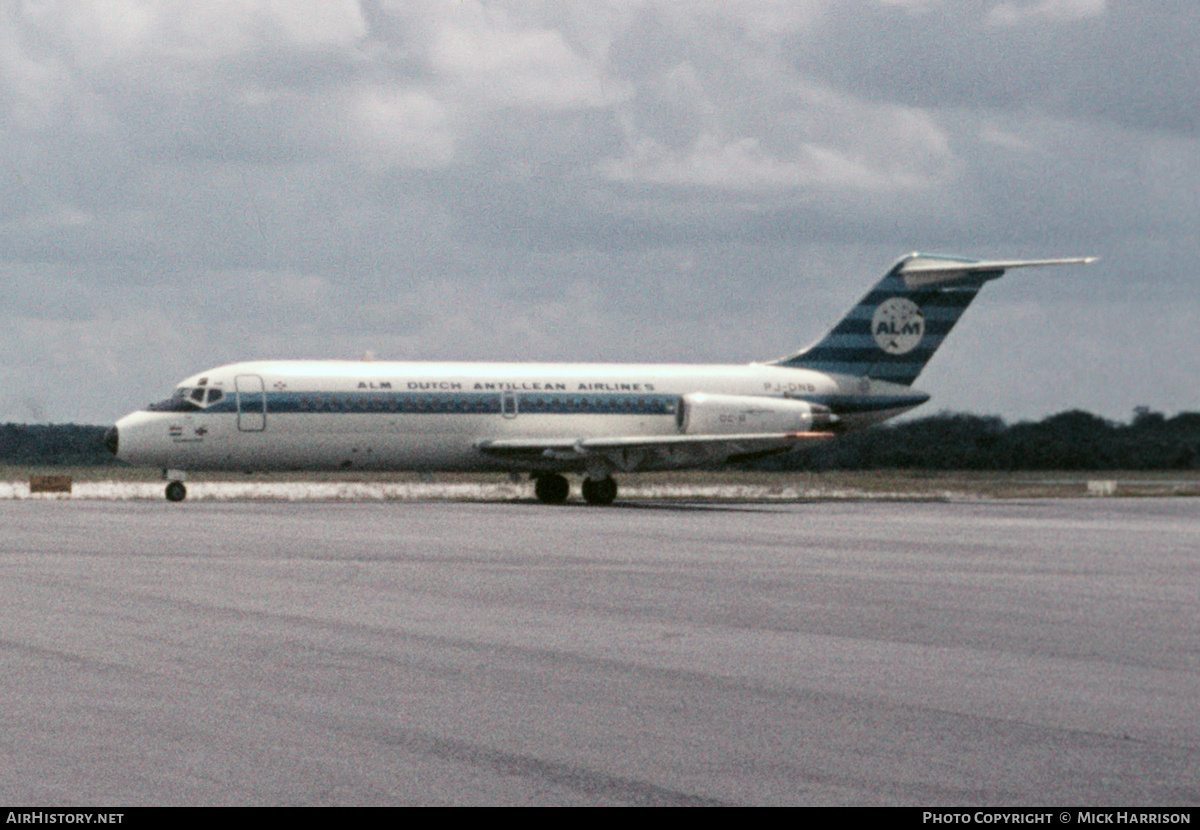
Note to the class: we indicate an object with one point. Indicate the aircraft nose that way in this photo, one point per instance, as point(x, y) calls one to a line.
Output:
point(112, 440)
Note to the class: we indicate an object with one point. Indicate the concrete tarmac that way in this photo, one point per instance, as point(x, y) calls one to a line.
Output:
point(971, 654)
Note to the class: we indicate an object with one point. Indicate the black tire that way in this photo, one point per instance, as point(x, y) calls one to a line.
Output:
point(602, 491)
point(552, 488)
point(176, 491)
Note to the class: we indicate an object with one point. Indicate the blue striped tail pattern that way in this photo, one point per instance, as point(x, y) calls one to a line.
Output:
point(894, 330)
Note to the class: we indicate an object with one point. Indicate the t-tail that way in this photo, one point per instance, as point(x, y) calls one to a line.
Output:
point(893, 331)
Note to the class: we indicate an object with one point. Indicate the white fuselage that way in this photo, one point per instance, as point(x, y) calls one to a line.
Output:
point(328, 415)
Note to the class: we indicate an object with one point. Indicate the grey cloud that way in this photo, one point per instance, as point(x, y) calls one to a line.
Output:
point(675, 182)
point(1136, 65)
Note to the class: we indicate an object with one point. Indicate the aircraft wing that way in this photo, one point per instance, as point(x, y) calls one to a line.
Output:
point(646, 452)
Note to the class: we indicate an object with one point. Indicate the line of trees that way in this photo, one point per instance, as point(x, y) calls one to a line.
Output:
point(58, 445)
point(1073, 440)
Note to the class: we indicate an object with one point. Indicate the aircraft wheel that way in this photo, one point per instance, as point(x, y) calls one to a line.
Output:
point(176, 491)
point(599, 490)
point(551, 489)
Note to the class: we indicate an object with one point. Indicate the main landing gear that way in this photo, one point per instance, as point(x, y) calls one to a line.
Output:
point(600, 490)
point(552, 488)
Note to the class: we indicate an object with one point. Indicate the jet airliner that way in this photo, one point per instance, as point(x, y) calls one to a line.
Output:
point(551, 419)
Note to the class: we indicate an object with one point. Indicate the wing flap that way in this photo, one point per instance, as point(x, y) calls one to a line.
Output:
point(642, 452)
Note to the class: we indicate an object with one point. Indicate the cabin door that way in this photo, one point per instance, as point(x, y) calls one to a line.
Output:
point(251, 403)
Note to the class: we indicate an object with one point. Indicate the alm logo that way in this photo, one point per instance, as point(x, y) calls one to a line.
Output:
point(898, 325)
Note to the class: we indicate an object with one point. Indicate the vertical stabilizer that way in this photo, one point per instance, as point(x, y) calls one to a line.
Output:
point(895, 329)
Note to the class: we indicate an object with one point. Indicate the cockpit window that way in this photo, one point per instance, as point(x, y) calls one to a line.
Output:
point(187, 400)
point(176, 403)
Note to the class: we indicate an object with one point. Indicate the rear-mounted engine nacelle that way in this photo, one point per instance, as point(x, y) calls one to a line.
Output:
point(702, 414)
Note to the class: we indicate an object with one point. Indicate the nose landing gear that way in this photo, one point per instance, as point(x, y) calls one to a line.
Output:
point(175, 489)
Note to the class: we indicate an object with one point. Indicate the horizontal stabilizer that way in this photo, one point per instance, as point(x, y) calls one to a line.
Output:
point(920, 270)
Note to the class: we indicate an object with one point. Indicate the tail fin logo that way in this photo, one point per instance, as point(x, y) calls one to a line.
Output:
point(898, 325)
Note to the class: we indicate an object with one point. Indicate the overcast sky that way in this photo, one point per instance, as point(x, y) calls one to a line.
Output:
point(187, 183)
